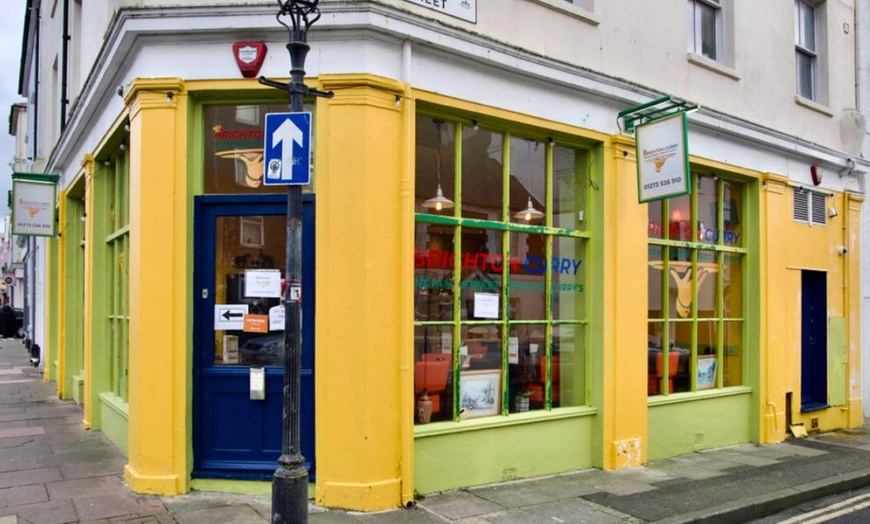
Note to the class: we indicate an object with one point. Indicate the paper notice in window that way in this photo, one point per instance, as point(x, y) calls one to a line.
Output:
point(276, 318)
point(513, 350)
point(486, 305)
point(447, 342)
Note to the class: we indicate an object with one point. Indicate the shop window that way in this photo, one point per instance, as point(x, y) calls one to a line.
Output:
point(113, 204)
point(500, 295)
point(233, 148)
point(696, 260)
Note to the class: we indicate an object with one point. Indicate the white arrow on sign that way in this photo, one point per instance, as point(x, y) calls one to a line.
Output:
point(286, 134)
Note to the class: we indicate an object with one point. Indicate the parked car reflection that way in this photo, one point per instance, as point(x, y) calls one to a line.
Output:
point(267, 350)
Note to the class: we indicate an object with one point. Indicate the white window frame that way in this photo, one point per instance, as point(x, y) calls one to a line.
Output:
point(802, 49)
point(696, 29)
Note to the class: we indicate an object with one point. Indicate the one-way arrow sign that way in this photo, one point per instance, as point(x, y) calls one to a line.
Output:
point(229, 316)
point(287, 157)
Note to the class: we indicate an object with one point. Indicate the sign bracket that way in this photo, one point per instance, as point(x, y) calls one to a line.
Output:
point(653, 110)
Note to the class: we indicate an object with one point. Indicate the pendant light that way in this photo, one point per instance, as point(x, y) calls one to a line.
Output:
point(529, 214)
point(439, 201)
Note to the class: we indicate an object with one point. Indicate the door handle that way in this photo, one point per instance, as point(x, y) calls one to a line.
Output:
point(204, 293)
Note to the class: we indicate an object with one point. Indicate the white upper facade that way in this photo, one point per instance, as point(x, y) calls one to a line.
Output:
point(780, 72)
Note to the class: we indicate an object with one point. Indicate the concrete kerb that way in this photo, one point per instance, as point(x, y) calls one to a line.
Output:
point(769, 503)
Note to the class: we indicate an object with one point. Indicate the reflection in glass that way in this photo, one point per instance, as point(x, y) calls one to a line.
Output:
point(433, 368)
point(527, 181)
point(569, 191)
point(568, 370)
point(435, 164)
point(707, 202)
point(732, 210)
point(233, 261)
point(433, 272)
point(233, 148)
point(569, 278)
point(654, 279)
point(732, 280)
point(482, 170)
point(526, 367)
point(654, 218)
point(528, 268)
point(706, 284)
point(661, 350)
point(482, 265)
point(733, 354)
point(680, 220)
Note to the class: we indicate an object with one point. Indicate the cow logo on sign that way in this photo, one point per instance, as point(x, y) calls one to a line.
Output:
point(249, 57)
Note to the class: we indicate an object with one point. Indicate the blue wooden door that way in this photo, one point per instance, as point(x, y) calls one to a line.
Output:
point(237, 239)
point(814, 340)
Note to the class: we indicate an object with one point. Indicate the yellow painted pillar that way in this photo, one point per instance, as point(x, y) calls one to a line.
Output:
point(158, 375)
point(624, 412)
point(774, 219)
point(61, 296)
point(87, 316)
point(852, 301)
point(360, 293)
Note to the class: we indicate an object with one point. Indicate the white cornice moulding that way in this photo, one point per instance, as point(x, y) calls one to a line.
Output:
point(132, 29)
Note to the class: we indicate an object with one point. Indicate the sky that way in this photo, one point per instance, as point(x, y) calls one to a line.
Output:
point(10, 60)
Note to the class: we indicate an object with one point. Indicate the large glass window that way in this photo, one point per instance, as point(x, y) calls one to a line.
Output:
point(500, 271)
point(233, 153)
point(114, 198)
point(695, 314)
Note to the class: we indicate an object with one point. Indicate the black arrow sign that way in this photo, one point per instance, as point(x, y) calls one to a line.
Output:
point(228, 314)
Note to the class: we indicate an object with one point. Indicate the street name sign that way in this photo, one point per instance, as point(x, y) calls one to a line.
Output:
point(287, 149)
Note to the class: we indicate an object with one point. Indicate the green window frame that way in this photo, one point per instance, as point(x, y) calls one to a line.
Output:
point(113, 199)
point(455, 221)
point(704, 343)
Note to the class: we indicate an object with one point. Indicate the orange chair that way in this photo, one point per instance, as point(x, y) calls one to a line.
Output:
point(655, 380)
point(432, 375)
point(537, 388)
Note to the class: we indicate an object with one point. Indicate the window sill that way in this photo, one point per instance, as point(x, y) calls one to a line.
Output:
point(676, 398)
point(443, 428)
point(815, 106)
point(572, 10)
point(712, 65)
point(113, 401)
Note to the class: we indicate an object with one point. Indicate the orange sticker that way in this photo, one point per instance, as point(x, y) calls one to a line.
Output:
point(256, 324)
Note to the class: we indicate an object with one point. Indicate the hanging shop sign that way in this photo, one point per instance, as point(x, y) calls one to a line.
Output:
point(463, 9)
point(662, 158)
point(662, 146)
point(34, 197)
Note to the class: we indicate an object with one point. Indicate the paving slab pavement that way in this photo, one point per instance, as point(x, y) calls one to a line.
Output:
point(54, 471)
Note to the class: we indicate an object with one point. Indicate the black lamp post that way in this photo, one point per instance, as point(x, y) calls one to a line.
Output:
point(290, 482)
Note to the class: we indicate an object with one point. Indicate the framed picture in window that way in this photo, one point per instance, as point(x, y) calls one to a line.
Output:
point(480, 392)
point(706, 372)
point(252, 231)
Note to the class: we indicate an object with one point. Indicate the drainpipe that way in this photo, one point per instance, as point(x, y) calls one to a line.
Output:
point(64, 83)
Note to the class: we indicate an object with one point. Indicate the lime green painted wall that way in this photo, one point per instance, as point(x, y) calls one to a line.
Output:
point(486, 454)
point(680, 424)
point(114, 416)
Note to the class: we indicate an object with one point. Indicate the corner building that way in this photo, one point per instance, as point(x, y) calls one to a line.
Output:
point(535, 319)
